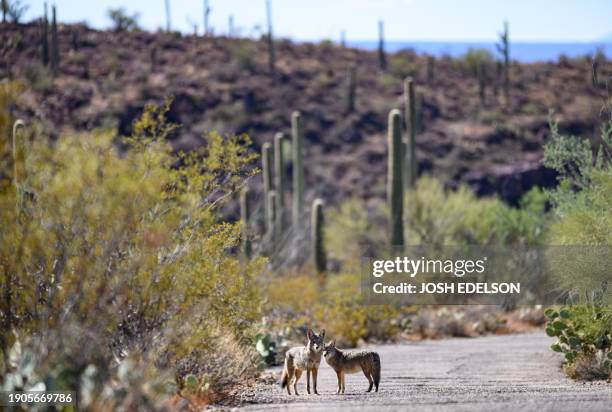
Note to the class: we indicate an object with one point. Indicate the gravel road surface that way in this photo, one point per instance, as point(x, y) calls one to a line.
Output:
point(494, 373)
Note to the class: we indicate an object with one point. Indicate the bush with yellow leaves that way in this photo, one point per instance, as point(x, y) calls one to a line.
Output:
point(110, 256)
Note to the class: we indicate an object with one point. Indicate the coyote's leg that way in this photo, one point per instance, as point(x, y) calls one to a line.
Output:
point(308, 371)
point(370, 380)
point(315, 371)
point(298, 375)
point(339, 375)
point(343, 382)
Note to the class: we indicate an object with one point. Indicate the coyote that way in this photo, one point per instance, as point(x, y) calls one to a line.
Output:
point(351, 362)
point(303, 358)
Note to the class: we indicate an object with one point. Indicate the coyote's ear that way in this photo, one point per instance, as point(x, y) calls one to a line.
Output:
point(309, 334)
point(333, 343)
point(322, 334)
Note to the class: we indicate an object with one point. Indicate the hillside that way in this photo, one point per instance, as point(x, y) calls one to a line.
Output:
point(106, 78)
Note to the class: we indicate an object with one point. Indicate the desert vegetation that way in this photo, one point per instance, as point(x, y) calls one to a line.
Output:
point(167, 233)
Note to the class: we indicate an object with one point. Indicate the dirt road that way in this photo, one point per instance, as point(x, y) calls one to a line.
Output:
point(496, 373)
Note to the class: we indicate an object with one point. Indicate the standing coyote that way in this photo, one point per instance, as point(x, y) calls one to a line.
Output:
point(351, 362)
point(303, 358)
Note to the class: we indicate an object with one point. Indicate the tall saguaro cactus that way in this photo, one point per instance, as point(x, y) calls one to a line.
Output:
point(410, 173)
point(266, 165)
point(318, 244)
point(395, 189)
point(206, 17)
point(351, 90)
point(270, 39)
point(431, 64)
point(168, 19)
point(44, 37)
point(279, 181)
point(382, 58)
point(271, 228)
point(54, 42)
point(481, 72)
point(19, 169)
point(245, 214)
point(504, 49)
point(297, 135)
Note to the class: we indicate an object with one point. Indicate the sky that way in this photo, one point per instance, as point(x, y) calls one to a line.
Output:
point(404, 20)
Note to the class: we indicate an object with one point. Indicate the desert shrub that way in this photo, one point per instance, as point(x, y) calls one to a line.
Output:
point(120, 256)
point(242, 54)
point(582, 217)
point(297, 302)
point(346, 317)
point(351, 232)
point(295, 293)
point(122, 21)
point(584, 336)
point(401, 65)
point(440, 322)
point(436, 216)
point(581, 201)
point(475, 58)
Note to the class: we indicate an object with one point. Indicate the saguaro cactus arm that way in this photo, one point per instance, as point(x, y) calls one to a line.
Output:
point(279, 181)
point(411, 127)
point(271, 229)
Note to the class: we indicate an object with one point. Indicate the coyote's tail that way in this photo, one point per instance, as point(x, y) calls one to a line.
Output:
point(376, 369)
point(285, 376)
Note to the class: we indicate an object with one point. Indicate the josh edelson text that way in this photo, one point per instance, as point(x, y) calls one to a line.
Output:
point(408, 271)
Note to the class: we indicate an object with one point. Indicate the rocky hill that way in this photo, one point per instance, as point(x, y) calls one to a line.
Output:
point(495, 145)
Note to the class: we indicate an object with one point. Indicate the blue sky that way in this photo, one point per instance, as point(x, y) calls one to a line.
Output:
point(437, 20)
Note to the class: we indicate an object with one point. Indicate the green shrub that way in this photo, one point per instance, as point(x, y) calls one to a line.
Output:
point(122, 21)
point(582, 217)
point(584, 337)
point(436, 216)
point(402, 66)
point(582, 201)
point(475, 58)
point(121, 256)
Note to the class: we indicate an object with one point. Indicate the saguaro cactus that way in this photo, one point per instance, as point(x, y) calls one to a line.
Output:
point(504, 49)
point(18, 155)
point(54, 42)
point(206, 17)
point(318, 244)
point(270, 39)
point(266, 165)
point(19, 169)
point(230, 26)
point(271, 228)
point(382, 58)
point(482, 81)
point(245, 213)
point(351, 90)
point(395, 189)
point(297, 135)
point(168, 19)
point(431, 64)
point(410, 176)
point(279, 181)
point(44, 37)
